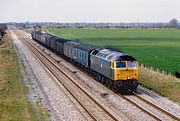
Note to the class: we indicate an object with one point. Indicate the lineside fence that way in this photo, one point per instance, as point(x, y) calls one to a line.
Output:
point(176, 74)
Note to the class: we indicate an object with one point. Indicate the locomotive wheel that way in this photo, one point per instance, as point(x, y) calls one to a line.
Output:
point(104, 80)
point(99, 78)
point(115, 88)
point(108, 82)
point(97, 75)
point(110, 85)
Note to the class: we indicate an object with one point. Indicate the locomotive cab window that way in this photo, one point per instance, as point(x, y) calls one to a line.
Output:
point(131, 64)
point(120, 64)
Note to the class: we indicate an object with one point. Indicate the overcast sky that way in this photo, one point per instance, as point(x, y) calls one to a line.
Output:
point(89, 10)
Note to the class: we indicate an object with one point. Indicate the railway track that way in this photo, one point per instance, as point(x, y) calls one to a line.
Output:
point(135, 95)
point(161, 115)
point(157, 107)
point(95, 110)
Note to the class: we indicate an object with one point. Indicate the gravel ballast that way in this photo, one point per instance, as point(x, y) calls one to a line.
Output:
point(44, 87)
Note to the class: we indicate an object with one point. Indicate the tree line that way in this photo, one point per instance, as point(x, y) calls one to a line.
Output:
point(3, 27)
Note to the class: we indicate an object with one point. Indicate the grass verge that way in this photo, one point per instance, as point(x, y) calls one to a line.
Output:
point(165, 85)
point(13, 92)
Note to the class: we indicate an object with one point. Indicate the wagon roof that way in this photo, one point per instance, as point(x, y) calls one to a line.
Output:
point(39, 32)
point(53, 38)
point(62, 40)
point(72, 43)
point(85, 47)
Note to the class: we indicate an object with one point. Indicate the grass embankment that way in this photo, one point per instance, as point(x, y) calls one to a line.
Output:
point(13, 93)
point(155, 47)
point(165, 85)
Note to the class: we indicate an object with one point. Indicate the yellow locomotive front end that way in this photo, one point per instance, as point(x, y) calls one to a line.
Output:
point(125, 70)
point(125, 74)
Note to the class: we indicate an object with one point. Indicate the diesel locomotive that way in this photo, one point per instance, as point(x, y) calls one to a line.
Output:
point(117, 70)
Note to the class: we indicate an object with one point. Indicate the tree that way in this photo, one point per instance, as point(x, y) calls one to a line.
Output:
point(3, 27)
point(173, 23)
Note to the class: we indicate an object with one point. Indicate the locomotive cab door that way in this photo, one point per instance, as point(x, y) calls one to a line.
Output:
point(112, 69)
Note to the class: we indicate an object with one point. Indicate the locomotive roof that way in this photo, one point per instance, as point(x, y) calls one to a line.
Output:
point(110, 55)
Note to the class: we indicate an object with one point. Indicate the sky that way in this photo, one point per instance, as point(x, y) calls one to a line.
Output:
point(89, 10)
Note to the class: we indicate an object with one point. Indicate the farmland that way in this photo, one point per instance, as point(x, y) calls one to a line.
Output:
point(153, 47)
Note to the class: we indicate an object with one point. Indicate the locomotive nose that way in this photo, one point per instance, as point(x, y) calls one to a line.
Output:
point(127, 74)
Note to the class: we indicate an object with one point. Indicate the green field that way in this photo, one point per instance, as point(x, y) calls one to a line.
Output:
point(159, 48)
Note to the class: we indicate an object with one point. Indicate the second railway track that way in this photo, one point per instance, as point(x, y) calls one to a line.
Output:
point(156, 107)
